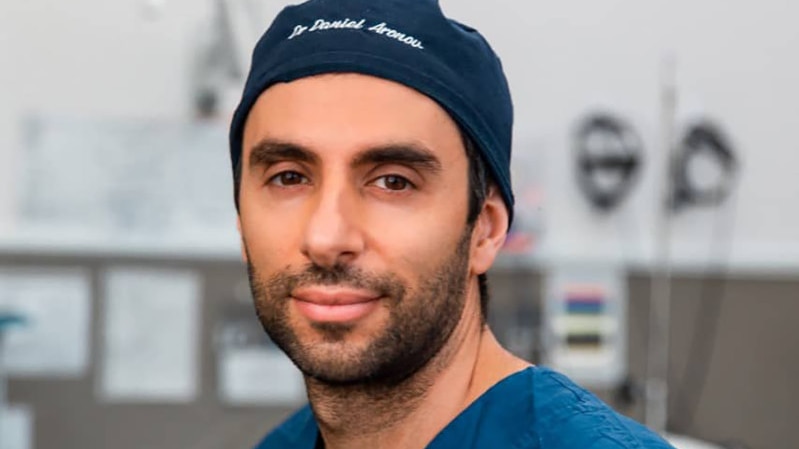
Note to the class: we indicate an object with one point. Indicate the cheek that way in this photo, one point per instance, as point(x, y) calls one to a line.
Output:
point(416, 244)
point(439, 216)
point(271, 239)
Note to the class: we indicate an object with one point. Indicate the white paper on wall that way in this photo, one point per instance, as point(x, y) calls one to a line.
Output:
point(585, 314)
point(118, 180)
point(56, 306)
point(16, 428)
point(151, 335)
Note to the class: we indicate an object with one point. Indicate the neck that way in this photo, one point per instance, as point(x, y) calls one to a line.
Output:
point(411, 414)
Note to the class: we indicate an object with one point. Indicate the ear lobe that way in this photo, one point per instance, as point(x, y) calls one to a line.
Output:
point(244, 257)
point(490, 231)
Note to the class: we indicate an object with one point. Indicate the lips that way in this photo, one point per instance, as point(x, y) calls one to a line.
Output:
point(335, 304)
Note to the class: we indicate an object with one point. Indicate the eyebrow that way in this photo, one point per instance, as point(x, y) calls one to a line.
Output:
point(267, 152)
point(411, 154)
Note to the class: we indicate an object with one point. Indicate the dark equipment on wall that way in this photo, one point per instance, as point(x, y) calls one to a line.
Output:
point(702, 139)
point(609, 156)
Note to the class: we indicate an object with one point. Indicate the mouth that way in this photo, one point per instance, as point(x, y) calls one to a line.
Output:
point(335, 304)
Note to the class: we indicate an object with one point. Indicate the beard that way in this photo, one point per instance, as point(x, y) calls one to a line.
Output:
point(420, 321)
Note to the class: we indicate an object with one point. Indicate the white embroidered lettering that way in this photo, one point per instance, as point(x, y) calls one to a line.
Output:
point(342, 24)
point(299, 29)
point(384, 30)
point(378, 28)
point(318, 25)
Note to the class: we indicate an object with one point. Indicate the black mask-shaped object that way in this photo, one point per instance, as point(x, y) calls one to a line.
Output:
point(702, 139)
point(608, 155)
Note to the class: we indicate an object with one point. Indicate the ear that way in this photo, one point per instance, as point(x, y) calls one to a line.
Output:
point(490, 231)
point(243, 248)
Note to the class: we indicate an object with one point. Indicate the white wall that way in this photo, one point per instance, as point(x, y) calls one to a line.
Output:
point(736, 61)
point(90, 58)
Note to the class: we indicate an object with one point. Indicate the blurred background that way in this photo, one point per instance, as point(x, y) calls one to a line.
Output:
point(654, 258)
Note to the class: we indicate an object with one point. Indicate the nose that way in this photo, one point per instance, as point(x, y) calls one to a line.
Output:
point(332, 234)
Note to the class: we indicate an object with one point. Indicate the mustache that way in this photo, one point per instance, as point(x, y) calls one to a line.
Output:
point(281, 284)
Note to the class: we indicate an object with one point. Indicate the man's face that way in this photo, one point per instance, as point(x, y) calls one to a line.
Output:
point(353, 205)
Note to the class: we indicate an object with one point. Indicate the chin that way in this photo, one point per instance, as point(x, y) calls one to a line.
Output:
point(335, 363)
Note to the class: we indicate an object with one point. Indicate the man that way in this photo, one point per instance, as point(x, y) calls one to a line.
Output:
point(371, 153)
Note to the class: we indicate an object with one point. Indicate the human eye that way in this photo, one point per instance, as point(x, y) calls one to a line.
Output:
point(288, 178)
point(395, 183)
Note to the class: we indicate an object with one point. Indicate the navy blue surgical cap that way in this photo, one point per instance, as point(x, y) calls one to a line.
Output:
point(407, 41)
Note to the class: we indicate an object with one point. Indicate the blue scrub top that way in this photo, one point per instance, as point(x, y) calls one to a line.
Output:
point(535, 408)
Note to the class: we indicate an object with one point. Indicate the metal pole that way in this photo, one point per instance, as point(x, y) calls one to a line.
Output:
point(657, 395)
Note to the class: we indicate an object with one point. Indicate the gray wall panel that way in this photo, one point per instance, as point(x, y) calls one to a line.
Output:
point(750, 393)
